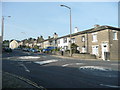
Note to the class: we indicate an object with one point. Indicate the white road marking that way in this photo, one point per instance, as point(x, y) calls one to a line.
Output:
point(65, 65)
point(8, 58)
point(44, 56)
point(21, 60)
point(115, 64)
point(95, 68)
point(29, 57)
point(26, 69)
point(110, 86)
point(45, 62)
point(79, 63)
point(112, 75)
point(72, 64)
point(24, 57)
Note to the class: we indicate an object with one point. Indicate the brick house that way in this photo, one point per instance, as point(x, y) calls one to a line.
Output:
point(51, 41)
point(101, 40)
point(48, 42)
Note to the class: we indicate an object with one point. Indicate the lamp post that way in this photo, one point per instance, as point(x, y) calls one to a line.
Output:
point(55, 36)
point(70, 27)
point(3, 26)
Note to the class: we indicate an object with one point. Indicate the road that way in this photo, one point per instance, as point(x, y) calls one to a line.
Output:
point(54, 72)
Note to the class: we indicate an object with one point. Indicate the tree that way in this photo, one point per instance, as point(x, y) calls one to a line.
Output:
point(74, 48)
point(36, 47)
point(6, 43)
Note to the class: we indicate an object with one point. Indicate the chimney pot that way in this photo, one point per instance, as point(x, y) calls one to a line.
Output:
point(75, 30)
point(96, 25)
point(48, 37)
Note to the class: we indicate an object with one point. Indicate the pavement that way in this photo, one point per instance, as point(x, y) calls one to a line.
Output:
point(14, 81)
point(68, 57)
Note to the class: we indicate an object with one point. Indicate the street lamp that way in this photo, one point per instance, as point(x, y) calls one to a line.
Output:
point(3, 25)
point(55, 36)
point(70, 27)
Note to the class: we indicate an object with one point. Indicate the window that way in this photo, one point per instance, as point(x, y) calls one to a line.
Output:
point(55, 41)
point(58, 41)
point(64, 40)
point(83, 38)
point(73, 40)
point(94, 37)
point(83, 49)
point(50, 42)
point(114, 35)
point(65, 47)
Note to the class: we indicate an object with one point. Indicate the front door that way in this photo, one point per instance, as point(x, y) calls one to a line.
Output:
point(104, 49)
point(95, 50)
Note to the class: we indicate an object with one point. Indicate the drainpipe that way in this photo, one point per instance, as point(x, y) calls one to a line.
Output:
point(84, 40)
point(87, 44)
point(109, 32)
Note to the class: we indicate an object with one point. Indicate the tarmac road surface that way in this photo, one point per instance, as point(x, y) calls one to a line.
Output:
point(55, 72)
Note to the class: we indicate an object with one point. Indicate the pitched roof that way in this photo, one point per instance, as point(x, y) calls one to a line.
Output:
point(47, 40)
point(95, 29)
point(99, 28)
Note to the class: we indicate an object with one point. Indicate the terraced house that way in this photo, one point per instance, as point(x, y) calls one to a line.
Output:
point(102, 41)
point(51, 41)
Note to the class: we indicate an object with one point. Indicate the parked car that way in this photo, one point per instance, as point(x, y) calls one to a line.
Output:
point(25, 49)
point(33, 50)
point(48, 49)
point(51, 48)
point(17, 48)
point(6, 49)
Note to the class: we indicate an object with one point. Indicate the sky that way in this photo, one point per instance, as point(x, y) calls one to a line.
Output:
point(33, 19)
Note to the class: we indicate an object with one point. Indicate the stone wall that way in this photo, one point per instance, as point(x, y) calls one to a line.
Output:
point(81, 56)
point(84, 56)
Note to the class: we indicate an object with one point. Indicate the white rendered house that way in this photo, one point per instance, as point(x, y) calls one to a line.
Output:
point(63, 43)
point(13, 44)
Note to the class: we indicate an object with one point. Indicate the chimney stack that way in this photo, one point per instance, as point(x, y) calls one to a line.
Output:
point(41, 36)
point(76, 30)
point(48, 37)
point(55, 35)
point(96, 25)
